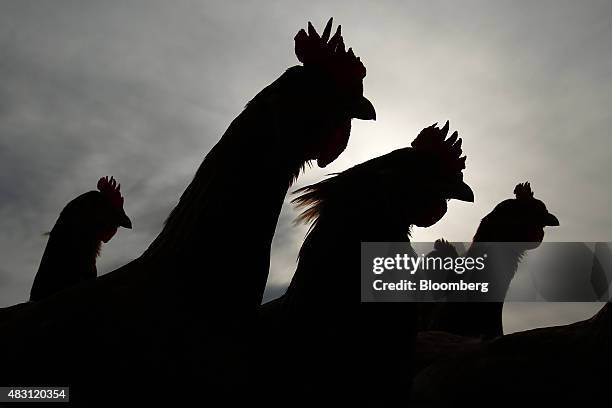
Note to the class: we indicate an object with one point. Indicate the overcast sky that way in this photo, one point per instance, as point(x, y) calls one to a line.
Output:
point(143, 89)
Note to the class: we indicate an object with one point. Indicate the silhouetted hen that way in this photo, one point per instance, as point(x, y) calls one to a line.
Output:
point(173, 314)
point(333, 340)
point(513, 227)
point(304, 115)
point(75, 240)
point(564, 366)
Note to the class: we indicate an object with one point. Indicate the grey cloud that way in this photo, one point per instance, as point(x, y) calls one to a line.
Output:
point(142, 90)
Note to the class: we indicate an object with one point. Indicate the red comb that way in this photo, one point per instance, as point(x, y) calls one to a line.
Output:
point(111, 190)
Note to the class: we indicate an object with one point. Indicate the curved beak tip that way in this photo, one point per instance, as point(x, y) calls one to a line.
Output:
point(364, 110)
point(463, 192)
point(551, 220)
point(126, 222)
point(469, 199)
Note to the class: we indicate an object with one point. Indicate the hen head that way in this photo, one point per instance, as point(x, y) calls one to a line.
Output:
point(330, 92)
point(110, 213)
point(521, 219)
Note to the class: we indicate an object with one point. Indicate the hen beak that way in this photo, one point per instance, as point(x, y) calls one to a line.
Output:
point(551, 221)
point(363, 109)
point(460, 191)
point(124, 221)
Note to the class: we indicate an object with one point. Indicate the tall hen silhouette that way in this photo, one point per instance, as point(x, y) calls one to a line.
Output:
point(513, 227)
point(171, 315)
point(332, 340)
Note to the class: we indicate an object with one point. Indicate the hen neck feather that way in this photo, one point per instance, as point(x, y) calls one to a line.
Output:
point(224, 188)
